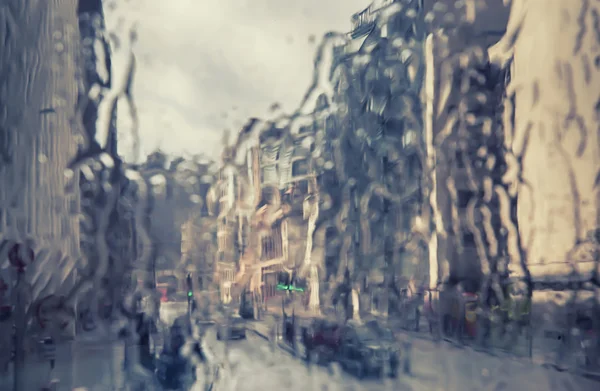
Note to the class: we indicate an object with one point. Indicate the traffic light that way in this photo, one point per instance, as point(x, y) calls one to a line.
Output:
point(286, 282)
point(190, 288)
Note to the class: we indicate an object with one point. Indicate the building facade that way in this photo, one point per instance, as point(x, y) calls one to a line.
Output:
point(226, 194)
point(455, 183)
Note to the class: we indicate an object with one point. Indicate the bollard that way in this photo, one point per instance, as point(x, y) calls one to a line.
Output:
point(19, 339)
point(406, 367)
point(48, 350)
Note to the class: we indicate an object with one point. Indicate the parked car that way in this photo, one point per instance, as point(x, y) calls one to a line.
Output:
point(383, 332)
point(364, 354)
point(233, 327)
point(246, 308)
point(322, 341)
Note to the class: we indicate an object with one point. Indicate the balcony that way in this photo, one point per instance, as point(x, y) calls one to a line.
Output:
point(272, 245)
point(362, 23)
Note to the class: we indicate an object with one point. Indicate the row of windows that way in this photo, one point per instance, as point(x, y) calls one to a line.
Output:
point(227, 275)
point(269, 174)
point(225, 242)
point(272, 245)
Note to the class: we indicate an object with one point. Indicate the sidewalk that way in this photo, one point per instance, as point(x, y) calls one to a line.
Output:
point(441, 366)
point(519, 351)
point(94, 364)
point(264, 330)
point(77, 364)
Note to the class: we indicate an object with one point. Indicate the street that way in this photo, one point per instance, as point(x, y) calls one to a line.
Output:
point(93, 365)
point(442, 366)
point(256, 364)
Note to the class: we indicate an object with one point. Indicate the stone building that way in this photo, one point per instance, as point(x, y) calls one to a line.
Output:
point(450, 261)
point(553, 121)
point(275, 169)
point(226, 195)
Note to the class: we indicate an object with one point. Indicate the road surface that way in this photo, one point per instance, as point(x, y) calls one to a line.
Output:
point(255, 364)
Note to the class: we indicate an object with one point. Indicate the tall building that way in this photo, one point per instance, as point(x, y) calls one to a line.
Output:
point(377, 124)
point(275, 176)
point(453, 251)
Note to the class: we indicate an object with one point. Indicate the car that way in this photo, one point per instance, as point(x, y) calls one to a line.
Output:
point(233, 327)
point(364, 353)
point(322, 341)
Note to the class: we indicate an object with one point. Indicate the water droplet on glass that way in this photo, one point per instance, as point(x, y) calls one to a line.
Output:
point(195, 198)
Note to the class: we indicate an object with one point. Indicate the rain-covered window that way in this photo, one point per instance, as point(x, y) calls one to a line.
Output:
point(300, 168)
point(342, 195)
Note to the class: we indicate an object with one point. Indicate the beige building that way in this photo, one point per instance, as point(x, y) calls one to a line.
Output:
point(274, 162)
point(554, 121)
point(226, 194)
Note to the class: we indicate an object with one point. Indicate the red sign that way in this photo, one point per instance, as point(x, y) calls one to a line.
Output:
point(20, 256)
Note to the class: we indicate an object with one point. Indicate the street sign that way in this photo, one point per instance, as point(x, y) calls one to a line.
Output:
point(284, 287)
point(48, 350)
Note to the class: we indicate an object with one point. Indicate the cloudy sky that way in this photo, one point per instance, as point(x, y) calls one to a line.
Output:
point(206, 66)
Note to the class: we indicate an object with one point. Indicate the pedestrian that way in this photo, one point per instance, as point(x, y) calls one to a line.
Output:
point(6, 312)
point(273, 336)
point(143, 328)
point(306, 341)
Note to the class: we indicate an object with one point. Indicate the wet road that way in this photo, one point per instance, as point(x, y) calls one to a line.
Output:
point(433, 367)
point(254, 364)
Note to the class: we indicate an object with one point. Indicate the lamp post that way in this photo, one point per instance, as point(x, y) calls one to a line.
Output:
point(20, 256)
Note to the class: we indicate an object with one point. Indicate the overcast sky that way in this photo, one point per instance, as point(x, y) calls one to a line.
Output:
point(208, 66)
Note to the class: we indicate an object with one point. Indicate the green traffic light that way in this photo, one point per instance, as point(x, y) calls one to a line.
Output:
point(190, 294)
point(283, 287)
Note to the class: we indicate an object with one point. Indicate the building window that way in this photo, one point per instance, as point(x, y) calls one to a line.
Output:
point(300, 167)
point(305, 129)
point(272, 245)
point(268, 174)
point(409, 138)
point(300, 190)
point(414, 166)
point(463, 197)
point(468, 239)
point(460, 159)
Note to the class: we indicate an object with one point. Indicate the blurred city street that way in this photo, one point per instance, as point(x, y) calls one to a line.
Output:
point(276, 195)
point(254, 363)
